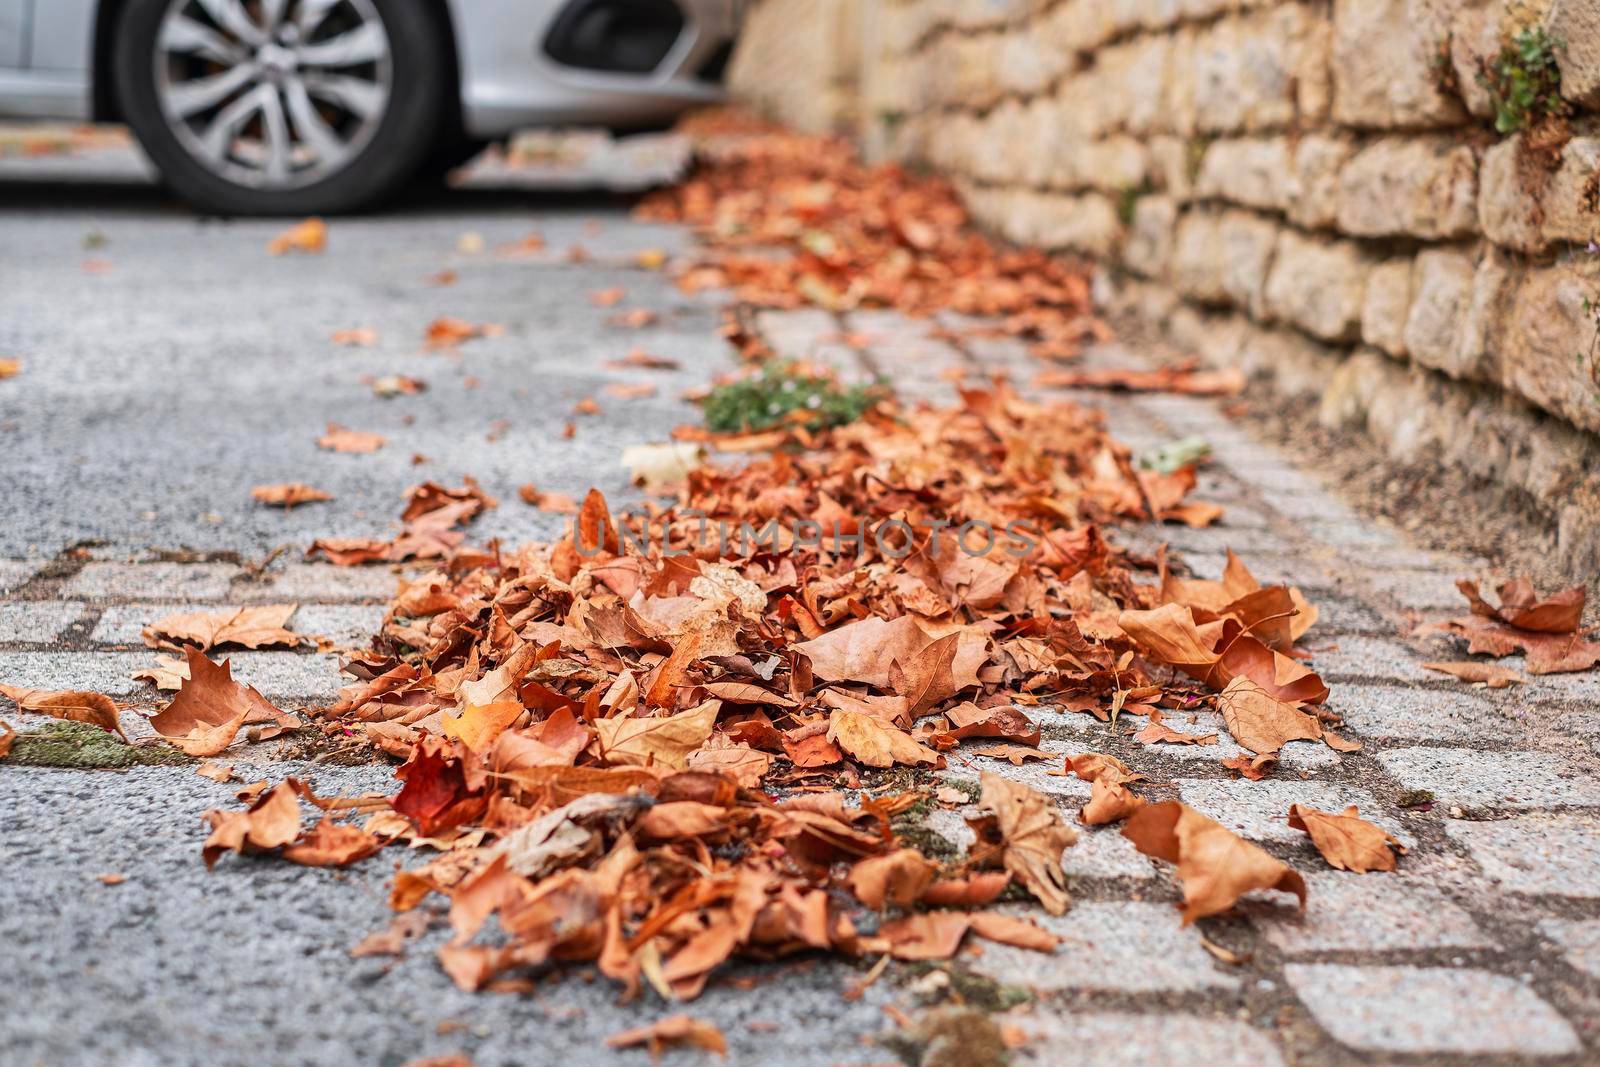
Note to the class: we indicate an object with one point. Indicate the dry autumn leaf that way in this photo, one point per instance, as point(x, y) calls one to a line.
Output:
point(1347, 841)
point(8, 734)
point(205, 716)
point(875, 742)
point(663, 741)
point(1261, 722)
point(96, 709)
point(355, 337)
point(10, 367)
point(310, 236)
point(340, 439)
point(1024, 834)
point(272, 821)
point(1471, 670)
point(255, 627)
point(1215, 865)
point(289, 494)
point(672, 1032)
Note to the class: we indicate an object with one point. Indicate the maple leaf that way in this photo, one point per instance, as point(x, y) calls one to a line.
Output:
point(96, 709)
point(898, 878)
point(1024, 834)
point(289, 494)
point(867, 650)
point(310, 236)
point(329, 844)
point(479, 725)
point(1347, 841)
point(1157, 732)
point(1215, 865)
point(1521, 607)
point(167, 673)
point(340, 439)
point(665, 740)
point(257, 627)
point(875, 742)
point(205, 716)
point(672, 1032)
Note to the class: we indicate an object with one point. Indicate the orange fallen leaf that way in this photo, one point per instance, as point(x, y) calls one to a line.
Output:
point(1023, 833)
point(272, 821)
point(392, 385)
point(96, 709)
point(329, 844)
point(1158, 732)
point(605, 298)
point(111, 878)
point(1183, 378)
point(1347, 841)
point(1261, 722)
point(10, 368)
point(205, 716)
point(254, 627)
point(664, 740)
point(355, 337)
point(1016, 755)
point(875, 742)
point(289, 494)
point(1215, 865)
point(587, 406)
point(8, 734)
point(340, 439)
point(310, 236)
point(217, 772)
point(1491, 674)
point(1522, 607)
point(898, 878)
point(672, 1032)
point(630, 390)
point(558, 503)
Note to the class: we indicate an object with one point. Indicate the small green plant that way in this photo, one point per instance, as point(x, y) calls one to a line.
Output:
point(75, 744)
point(1524, 81)
point(785, 394)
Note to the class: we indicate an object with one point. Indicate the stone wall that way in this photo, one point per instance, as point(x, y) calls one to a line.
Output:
point(1314, 189)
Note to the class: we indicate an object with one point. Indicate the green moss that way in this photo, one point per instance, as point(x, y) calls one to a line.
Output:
point(79, 745)
point(977, 990)
point(1415, 798)
point(1524, 81)
point(784, 394)
point(913, 833)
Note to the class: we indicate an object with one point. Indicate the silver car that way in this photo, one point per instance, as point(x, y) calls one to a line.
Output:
point(321, 106)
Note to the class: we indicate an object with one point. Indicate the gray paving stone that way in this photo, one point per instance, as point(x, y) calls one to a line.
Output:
point(1368, 913)
point(1295, 756)
point(1347, 615)
point(1119, 946)
point(343, 624)
point(1430, 1009)
point(152, 581)
point(277, 674)
point(1220, 538)
point(1505, 781)
point(1421, 714)
point(309, 583)
point(1356, 534)
point(1431, 590)
point(1100, 852)
point(1355, 656)
point(1128, 1040)
point(15, 573)
point(1260, 810)
point(1578, 940)
point(1308, 571)
point(796, 334)
point(36, 621)
point(1536, 855)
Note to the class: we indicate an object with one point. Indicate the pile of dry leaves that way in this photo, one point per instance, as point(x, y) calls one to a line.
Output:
point(860, 237)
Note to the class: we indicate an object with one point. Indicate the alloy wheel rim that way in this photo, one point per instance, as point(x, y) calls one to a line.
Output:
point(273, 94)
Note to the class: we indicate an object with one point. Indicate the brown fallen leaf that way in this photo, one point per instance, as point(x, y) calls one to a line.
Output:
point(96, 709)
point(1009, 930)
point(630, 390)
point(168, 673)
point(1253, 768)
point(606, 298)
point(875, 742)
point(205, 716)
point(392, 385)
point(1546, 630)
point(393, 939)
point(1158, 732)
point(1470, 670)
point(111, 878)
point(587, 406)
point(448, 332)
point(1016, 755)
point(556, 503)
point(663, 741)
point(272, 821)
point(899, 878)
point(340, 439)
point(1024, 834)
point(289, 494)
point(1183, 378)
point(1215, 865)
point(638, 357)
point(310, 236)
point(1522, 607)
point(329, 844)
point(672, 1032)
point(1261, 722)
point(8, 734)
point(255, 627)
point(10, 368)
point(1347, 841)
point(217, 772)
point(356, 337)
point(1109, 801)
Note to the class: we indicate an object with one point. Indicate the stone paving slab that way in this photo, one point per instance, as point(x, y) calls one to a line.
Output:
point(15, 573)
point(151, 581)
point(343, 624)
point(1431, 1009)
point(1536, 855)
point(1117, 1039)
point(1504, 781)
point(1259, 811)
point(1578, 940)
point(36, 621)
point(1360, 913)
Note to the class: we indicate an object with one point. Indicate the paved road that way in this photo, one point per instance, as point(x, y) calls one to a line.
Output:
point(154, 394)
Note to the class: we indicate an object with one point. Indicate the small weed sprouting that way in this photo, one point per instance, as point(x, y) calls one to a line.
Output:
point(787, 394)
point(1524, 81)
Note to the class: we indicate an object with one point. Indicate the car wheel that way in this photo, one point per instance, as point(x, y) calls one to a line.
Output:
point(271, 107)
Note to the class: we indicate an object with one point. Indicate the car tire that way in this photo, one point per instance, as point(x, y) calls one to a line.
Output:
point(398, 142)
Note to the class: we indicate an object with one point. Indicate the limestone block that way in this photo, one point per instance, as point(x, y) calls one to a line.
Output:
point(1387, 303)
point(1441, 285)
point(1318, 285)
point(1385, 63)
point(1577, 24)
point(1547, 354)
point(1148, 249)
point(1416, 187)
point(1254, 172)
point(1222, 257)
point(1313, 182)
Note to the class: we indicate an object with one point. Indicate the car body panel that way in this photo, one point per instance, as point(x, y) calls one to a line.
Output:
point(507, 80)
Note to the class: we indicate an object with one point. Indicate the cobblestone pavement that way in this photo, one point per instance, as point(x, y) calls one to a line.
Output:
point(1485, 944)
